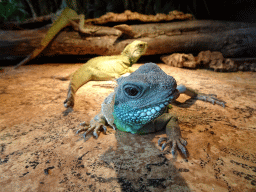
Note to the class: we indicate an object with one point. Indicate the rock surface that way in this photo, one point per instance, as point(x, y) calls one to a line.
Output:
point(41, 152)
point(215, 60)
point(205, 59)
point(180, 60)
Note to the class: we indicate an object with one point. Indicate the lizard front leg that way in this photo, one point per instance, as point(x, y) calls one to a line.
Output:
point(103, 118)
point(173, 133)
point(96, 124)
point(212, 98)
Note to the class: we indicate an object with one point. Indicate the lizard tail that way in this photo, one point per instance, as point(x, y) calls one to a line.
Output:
point(78, 79)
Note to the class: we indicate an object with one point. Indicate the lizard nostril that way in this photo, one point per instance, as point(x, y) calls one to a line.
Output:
point(166, 86)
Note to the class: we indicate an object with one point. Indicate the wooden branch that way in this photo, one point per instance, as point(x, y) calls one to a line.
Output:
point(230, 38)
point(134, 16)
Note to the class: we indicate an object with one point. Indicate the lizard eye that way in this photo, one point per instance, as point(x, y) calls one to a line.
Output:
point(131, 91)
point(141, 45)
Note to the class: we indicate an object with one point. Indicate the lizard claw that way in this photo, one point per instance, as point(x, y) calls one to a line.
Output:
point(83, 124)
point(163, 146)
point(161, 140)
point(180, 144)
point(97, 128)
point(87, 129)
point(94, 126)
point(114, 127)
point(174, 146)
point(212, 98)
point(182, 149)
point(83, 129)
point(68, 104)
point(104, 129)
point(95, 134)
point(183, 141)
point(84, 135)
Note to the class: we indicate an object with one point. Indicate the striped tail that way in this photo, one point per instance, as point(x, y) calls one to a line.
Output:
point(78, 79)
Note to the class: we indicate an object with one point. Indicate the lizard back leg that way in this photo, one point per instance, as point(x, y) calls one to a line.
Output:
point(79, 78)
point(70, 101)
point(212, 98)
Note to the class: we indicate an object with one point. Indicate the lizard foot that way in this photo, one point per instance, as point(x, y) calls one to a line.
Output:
point(68, 103)
point(180, 143)
point(94, 126)
point(210, 98)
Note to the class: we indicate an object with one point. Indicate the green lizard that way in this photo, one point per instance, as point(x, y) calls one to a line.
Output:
point(105, 68)
point(139, 105)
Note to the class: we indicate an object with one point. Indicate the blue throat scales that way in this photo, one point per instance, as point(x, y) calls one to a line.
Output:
point(132, 120)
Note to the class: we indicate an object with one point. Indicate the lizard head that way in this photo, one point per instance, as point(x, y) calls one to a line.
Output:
point(142, 97)
point(135, 50)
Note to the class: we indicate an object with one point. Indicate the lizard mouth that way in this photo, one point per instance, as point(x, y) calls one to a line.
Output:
point(143, 115)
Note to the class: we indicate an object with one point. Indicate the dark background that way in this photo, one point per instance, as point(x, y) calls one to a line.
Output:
point(237, 10)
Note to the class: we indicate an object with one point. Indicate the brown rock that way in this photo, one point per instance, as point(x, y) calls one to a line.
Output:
point(225, 66)
point(215, 60)
point(205, 59)
point(180, 60)
point(246, 66)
